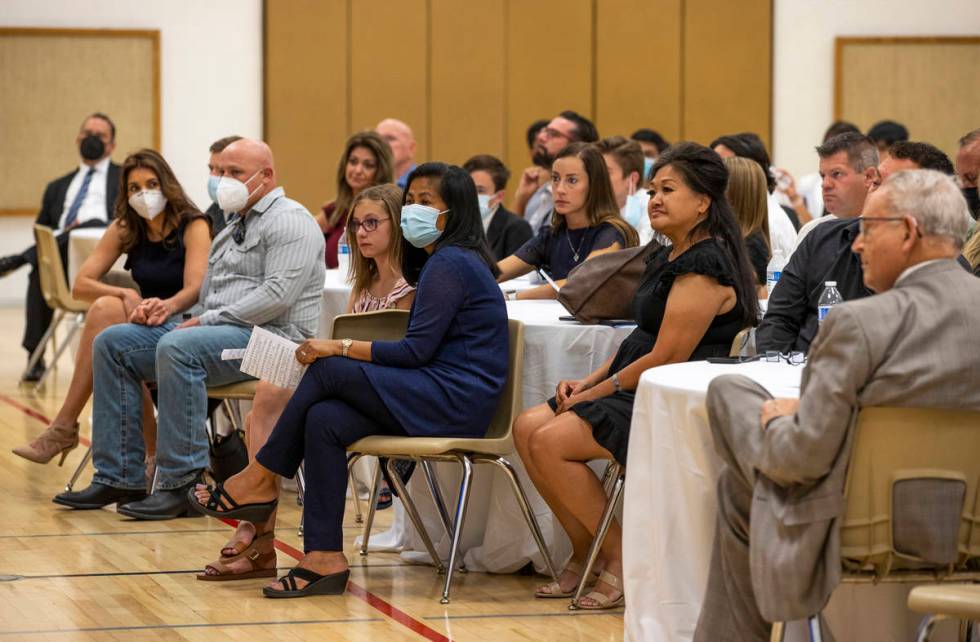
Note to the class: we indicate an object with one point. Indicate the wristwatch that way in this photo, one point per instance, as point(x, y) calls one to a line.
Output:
point(615, 382)
point(345, 345)
point(511, 295)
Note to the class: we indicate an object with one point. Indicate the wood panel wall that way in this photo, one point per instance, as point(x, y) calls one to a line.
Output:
point(469, 77)
point(928, 84)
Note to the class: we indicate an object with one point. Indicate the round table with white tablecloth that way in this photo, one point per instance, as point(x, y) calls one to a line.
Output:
point(670, 508)
point(81, 243)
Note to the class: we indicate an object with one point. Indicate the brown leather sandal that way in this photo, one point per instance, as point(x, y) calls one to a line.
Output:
point(259, 554)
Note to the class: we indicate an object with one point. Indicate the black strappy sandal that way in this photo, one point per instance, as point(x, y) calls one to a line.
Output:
point(333, 584)
point(229, 507)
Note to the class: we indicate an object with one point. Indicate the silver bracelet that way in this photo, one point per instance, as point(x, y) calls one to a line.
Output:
point(615, 382)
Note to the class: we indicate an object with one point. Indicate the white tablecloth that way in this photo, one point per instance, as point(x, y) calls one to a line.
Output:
point(81, 243)
point(495, 537)
point(670, 507)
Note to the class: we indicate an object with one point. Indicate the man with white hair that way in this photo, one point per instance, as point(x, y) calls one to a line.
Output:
point(916, 343)
point(265, 269)
point(400, 138)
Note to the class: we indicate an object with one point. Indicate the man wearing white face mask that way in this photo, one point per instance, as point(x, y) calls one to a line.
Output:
point(214, 212)
point(624, 160)
point(264, 269)
point(505, 230)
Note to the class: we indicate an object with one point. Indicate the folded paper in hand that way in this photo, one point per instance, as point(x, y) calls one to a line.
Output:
point(272, 358)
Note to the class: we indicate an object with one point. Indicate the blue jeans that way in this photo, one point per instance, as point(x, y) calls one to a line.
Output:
point(182, 363)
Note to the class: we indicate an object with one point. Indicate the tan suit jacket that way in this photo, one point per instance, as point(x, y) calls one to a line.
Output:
point(917, 345)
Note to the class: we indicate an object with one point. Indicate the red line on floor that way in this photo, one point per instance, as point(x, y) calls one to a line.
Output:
point(356, 590)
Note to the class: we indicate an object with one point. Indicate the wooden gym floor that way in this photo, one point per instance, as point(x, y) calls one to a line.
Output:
point(92, 575)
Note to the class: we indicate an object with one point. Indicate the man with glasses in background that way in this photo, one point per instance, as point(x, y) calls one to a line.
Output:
point(533, 200)
point(264, 269)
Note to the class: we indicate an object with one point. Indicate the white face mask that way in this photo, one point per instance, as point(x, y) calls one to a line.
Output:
point(484, 204)
point(148, 203)
point(233, 194)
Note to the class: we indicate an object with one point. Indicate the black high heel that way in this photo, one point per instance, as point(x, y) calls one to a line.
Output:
point(219, 498)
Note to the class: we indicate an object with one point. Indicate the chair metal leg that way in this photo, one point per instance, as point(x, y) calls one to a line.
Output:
point(372, 508)
point(300, 493)
point(529, 517)
point(413, 514)
point(968, 633)
point(609, 477)
point(814, 629)
point(778, 632)
point(78, 470)
point(352, 483)
point(608, 515)
point(926, 625)
point(430, 479)
point(58, 350)
point(43, 343)
point(461, 505)
point(154, 479)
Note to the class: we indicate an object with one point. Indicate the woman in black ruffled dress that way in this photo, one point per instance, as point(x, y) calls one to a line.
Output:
point(695, 296)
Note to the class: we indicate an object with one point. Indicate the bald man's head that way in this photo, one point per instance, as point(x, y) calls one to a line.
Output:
point(399, 137)
point(250, 161)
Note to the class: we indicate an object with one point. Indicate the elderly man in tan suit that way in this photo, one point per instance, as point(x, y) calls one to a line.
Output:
point(916, 343)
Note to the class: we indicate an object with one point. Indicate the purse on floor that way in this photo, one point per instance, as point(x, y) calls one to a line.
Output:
point(229, 455)
point(602, 288)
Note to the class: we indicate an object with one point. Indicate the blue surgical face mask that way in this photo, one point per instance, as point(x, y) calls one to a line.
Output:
point(484, 204)
point(635, 208)
point(213, 188)
point(647, 167)
point(419, 224)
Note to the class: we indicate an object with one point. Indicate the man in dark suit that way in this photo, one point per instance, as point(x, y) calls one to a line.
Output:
point(82, 198)
point(505, 230)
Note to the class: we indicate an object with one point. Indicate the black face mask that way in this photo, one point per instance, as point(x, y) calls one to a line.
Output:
point(972, 201)
point(92, 148)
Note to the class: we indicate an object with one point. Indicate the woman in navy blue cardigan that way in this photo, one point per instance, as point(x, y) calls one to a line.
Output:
point(443, 379)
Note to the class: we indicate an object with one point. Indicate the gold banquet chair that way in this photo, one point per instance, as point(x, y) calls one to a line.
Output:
point(899, 454)
point(491, 449)
point(57, 295)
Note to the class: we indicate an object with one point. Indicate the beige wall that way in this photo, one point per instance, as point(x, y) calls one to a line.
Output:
point(469, 77)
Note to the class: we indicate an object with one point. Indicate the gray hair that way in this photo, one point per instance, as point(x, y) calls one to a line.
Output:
point(932, 199)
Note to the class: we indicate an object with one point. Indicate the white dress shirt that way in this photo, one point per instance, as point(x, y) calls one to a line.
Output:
point(94, 205)
point(782, 234)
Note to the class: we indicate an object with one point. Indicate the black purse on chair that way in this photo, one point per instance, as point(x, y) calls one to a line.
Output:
point(229, 455)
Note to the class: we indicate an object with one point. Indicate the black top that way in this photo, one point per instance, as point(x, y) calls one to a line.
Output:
point(158, 266)
point(824, 255)
point(610, 416)
point(759, 255)
point(556, 252)
point(507, 232)
point(705, 257)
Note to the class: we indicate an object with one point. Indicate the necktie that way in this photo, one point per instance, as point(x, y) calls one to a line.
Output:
point(79, 199)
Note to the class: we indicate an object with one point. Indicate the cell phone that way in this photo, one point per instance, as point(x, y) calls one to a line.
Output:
point(723, 360)
point(567, 317)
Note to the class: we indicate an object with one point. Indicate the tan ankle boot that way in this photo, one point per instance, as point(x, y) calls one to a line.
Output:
point(55, 439)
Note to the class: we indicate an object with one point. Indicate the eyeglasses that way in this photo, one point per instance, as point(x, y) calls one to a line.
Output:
point(793, 358)
point(369, 224)
point(551, 132)
point(238, 230)
point(863, 227)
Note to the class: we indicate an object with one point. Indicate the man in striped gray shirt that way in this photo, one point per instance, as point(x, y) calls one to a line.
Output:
point(265, 269)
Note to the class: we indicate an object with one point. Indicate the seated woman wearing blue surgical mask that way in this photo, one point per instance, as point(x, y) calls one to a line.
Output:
point(166, 240)
point(444, 378)
point(585, 223)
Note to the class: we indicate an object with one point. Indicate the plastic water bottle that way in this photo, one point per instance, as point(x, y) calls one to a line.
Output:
point(774, 270)
point(828, 299)
point(343, 256)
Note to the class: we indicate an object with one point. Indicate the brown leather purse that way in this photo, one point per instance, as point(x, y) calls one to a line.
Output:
point(602, 288)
